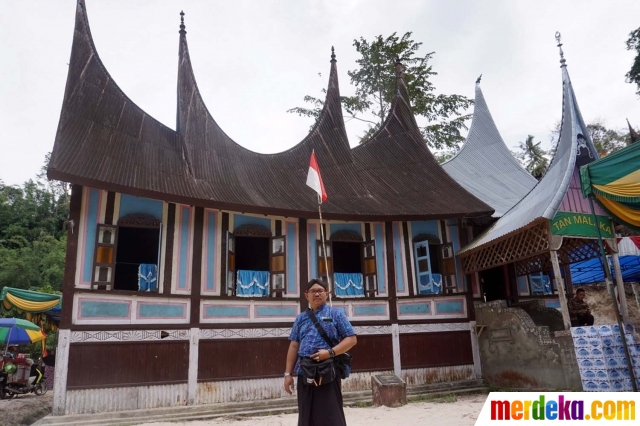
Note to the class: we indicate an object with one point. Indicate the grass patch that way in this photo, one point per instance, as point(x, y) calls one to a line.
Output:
point(442, 398)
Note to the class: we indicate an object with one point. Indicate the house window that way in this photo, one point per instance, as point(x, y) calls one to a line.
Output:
point(351, 264)
point(127, 256)
point(435, 265)
point(428, 282)
point(255, 262)
point(540, 284)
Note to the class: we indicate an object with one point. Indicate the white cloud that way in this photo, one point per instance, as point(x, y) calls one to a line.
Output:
point(255, 59)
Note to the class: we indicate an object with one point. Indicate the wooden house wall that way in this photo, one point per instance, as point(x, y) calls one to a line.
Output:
point(420, 350)
point(181, 301)
point(124, 364)
point(190, 296)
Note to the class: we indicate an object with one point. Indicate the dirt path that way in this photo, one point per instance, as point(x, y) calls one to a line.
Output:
point(24, 409)
point(464, 411)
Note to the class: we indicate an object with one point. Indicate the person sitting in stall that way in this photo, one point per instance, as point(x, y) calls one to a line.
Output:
point(579, 311)
point(12, 352)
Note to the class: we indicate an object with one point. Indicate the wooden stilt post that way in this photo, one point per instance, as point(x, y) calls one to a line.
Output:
point(564, 307)
point(624, 310)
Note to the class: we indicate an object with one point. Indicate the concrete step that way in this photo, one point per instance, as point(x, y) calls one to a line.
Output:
point(250, 408)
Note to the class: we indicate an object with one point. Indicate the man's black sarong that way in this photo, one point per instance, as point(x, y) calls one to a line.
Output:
point(320, 405)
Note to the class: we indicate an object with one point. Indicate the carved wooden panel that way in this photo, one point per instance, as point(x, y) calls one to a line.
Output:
point(252, 231)
point(433, 239)
point(346, 235)
point(139, 220)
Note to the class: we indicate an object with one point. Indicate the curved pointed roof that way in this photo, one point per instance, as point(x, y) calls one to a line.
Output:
point(396, 163)
point(106, 141)
point(574, 149)
point(485, 167)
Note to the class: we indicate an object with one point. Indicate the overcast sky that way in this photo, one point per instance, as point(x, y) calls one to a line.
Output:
point(253, 60)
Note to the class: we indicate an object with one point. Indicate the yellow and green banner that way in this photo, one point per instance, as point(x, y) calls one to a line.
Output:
point(615, 183)
point(581, 225)
point(29, 301)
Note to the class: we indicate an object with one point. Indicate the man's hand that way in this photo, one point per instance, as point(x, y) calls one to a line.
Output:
point(321, 355)
point(288, 384)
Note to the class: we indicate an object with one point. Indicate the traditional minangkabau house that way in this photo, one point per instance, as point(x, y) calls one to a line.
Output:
point(485, 167)
point(187, 253)
point(523, 340)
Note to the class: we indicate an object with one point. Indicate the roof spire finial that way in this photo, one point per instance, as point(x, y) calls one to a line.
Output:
point(559, 40)
point(399, 67)
point(478, 80)
point(333, 55)
point(182, 30)
point(633, 135)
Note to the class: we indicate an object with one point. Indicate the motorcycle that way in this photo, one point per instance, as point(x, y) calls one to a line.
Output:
point(38, 385)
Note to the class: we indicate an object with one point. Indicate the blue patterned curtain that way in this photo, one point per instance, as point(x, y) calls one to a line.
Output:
point(348, 285)
point(147, 277)
point(252, 283)
point(434, 286)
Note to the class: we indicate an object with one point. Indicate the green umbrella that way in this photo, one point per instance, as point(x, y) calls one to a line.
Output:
point(18, 331)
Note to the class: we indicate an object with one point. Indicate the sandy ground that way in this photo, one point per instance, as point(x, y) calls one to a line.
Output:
point(25, 409)
point(463, 411)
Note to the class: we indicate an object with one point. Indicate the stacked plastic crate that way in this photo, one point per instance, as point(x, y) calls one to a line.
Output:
point(601, 359)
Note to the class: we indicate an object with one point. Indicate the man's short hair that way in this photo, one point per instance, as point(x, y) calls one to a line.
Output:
point(580, 290)
point(317, 281)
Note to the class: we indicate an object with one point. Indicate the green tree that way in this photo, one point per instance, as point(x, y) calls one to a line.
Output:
point(605, 140)
point(532, 157)
point(32, 235)
point(633, 43)
point(374, 80)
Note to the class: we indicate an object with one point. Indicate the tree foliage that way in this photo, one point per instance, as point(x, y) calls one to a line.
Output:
point(605, 139)
point(531, 155)
point(633, 43)
point(375, 80)
point(32, 236)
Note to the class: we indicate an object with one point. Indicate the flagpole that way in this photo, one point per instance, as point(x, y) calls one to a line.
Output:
point(324, 249)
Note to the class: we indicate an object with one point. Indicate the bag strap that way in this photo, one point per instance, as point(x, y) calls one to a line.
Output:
point(323, 333)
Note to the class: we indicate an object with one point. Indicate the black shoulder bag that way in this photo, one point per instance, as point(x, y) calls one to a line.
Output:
point(343, 361)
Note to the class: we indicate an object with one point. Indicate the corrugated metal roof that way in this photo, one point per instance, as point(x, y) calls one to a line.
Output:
point(543, 200)
point(485, 167)
point(105, 140)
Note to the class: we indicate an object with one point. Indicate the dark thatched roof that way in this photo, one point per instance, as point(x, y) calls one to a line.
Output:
point(104, 140)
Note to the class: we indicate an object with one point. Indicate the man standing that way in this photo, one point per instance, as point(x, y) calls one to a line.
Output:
point(318, 405)
point(579, 311)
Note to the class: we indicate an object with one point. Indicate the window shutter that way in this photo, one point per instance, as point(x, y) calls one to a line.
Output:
point(448, 267)
point(423, 265)
point(278, 264)
point(159, 262)
point(369, 268)
point(104, 257)
point(322, 272)
point(230, 264)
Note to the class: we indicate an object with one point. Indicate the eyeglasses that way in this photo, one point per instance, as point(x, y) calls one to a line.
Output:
point(316, 291)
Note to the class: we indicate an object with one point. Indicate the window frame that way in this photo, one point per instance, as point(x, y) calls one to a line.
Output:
point(133, 220)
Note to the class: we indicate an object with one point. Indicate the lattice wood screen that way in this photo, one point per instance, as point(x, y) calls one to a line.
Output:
point(578, 249)
point(541, 262)
point(572, 250)
point(525, 244)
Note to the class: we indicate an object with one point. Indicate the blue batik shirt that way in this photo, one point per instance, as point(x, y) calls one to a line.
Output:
point(310, 340)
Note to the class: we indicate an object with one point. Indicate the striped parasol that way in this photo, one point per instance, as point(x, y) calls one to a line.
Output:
point(16, 331)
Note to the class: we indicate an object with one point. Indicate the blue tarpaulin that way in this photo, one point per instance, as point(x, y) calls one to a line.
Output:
point(590, 271)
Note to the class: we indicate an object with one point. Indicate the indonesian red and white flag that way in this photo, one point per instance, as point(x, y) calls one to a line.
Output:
point(314, 179)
